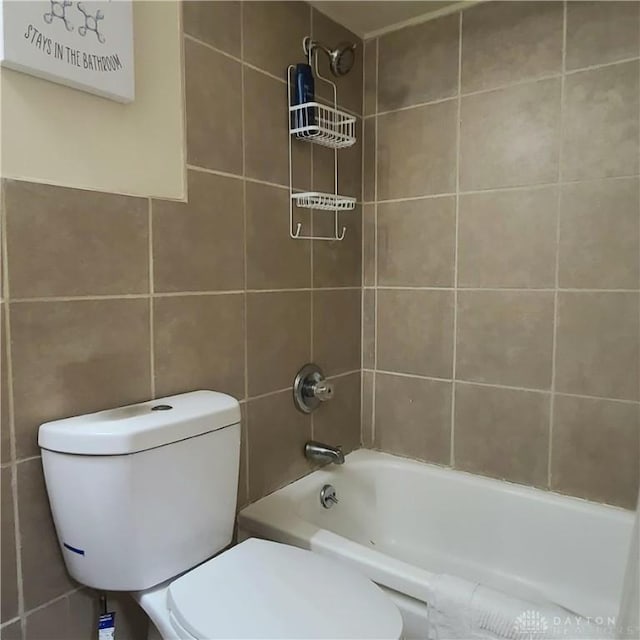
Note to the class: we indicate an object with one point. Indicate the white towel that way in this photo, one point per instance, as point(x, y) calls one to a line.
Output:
point(449, 607)
point(464, 610)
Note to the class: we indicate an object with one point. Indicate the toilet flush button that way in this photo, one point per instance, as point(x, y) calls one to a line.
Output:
point(161, 407)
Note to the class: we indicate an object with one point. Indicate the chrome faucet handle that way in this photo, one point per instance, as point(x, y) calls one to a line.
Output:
point(322, 390)
point(310, 388)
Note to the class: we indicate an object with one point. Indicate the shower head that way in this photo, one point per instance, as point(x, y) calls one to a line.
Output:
point(341, 58)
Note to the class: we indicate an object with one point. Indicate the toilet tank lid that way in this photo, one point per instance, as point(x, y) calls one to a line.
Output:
point(142, 426)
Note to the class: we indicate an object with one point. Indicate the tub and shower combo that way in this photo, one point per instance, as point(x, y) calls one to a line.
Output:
point(461, 555)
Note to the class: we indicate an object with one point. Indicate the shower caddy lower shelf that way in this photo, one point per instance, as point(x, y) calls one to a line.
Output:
point(327, 126)
point(323, 201)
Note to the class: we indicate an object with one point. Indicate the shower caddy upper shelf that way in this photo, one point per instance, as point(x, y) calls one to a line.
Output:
point(320, 124)
point(327, 126)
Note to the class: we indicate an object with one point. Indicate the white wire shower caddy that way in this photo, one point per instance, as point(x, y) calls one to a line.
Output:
point(329, 127)
point(322, 124)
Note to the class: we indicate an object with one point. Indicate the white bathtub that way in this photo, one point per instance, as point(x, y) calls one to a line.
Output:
point(405, 523)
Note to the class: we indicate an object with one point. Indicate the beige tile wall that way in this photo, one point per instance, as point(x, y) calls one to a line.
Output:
point(109, 299)
point(501, 244)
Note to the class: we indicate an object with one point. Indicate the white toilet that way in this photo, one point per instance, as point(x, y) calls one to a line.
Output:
point(144, 496)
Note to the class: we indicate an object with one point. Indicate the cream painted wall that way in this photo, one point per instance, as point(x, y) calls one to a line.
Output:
point(57, 135)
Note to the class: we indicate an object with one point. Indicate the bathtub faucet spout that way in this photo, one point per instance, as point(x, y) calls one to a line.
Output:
point(319, 452)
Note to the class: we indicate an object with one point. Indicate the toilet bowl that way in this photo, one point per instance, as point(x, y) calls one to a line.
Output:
point(143, 500)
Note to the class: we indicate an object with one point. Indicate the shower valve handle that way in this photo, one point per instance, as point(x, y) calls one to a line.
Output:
point(311, 388)
point(322, 390)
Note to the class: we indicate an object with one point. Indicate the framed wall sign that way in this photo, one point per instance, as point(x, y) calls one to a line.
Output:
point(87, 45)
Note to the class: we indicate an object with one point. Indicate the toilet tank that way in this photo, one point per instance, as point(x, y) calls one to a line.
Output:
point(143, 493)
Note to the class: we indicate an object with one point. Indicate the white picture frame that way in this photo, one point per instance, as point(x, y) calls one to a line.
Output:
point(86, 44)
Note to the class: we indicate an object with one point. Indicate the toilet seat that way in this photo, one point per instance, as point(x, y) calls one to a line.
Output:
point(263, 589)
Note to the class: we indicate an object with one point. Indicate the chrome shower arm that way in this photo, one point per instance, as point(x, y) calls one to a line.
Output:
point(340, 59)
point(309, 45)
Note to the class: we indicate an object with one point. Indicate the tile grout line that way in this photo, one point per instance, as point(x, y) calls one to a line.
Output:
point(638, 334)
point(519, 187)
point(452, 457)
point(342, 374)
point(419, 105)
point(554, 343)
point(244, 211)
point(267, 183)
point(362, 251)
point(152, 355)
point(375, 245)
point(227, 174)
point(44, 605)
point(594, 67)
point(185, 294)
point(504, 289)
point(117, 296)
point(244, 413)
point(232, 292)
point(183, 97)
point(312, 301)
point(170, 294)
point(226, 54)
point(493, 385)
point(10, 621)
point(501, 87)
point(352, 288)
point(6, 291)
point(365, 149)
point(311, 325)
point(10, 392)
point(19, 461)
